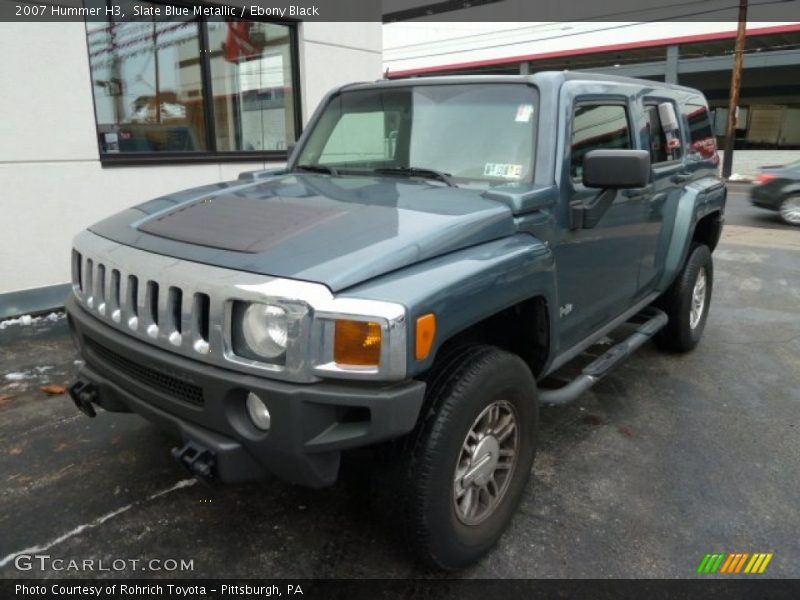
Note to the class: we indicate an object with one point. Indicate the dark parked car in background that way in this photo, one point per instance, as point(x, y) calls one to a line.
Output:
point(778, 188)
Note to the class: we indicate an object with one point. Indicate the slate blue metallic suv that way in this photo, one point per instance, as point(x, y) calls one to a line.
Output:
point(434, 252)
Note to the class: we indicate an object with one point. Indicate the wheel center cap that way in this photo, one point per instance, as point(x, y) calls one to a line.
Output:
point(484, 459)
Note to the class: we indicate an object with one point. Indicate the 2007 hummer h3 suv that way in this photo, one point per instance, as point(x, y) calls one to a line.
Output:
point(432, 252)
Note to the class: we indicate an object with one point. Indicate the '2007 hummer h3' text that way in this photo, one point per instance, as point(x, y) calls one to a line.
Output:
point(434, 251)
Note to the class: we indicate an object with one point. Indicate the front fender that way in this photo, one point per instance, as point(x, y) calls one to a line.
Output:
point(466, 287)
point(700, 199)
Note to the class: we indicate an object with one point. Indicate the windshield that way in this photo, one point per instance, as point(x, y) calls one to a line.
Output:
point(473, 133)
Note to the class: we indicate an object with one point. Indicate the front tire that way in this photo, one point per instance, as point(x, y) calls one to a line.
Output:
point(466, 465)
point(686, 302)
point(790, 210)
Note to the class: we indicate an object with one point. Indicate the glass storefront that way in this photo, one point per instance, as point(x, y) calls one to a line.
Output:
point(192, 86)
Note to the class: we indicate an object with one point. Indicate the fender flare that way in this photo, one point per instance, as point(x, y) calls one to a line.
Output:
point(700, 199)
point(465, 287)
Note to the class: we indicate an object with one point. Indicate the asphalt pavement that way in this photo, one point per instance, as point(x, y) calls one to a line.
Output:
point(669, 458)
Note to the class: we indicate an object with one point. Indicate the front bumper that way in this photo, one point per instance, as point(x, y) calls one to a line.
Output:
point(204, 404)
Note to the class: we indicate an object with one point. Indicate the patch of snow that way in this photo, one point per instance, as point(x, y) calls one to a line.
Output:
point(738, 177)
point(29, 374)
point(20, 376)
point(26, 320)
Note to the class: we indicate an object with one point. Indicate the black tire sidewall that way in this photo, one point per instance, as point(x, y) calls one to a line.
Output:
point(698, 261)
point(501, 376)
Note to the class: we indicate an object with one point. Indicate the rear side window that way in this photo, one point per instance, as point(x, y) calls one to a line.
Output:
point(595, 127)
point(702, 144)
point(663, 148)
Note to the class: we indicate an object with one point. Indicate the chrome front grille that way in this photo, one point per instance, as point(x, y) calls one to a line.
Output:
point(184, 307)
point(142, 305)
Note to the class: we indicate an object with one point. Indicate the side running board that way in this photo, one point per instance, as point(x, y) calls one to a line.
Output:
point(602, 365)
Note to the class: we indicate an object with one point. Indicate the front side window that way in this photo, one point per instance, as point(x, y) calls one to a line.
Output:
point(475, 134)
point(597, 127)
point(191, 86)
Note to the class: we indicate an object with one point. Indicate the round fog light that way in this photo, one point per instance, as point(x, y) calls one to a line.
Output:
point(258, 411)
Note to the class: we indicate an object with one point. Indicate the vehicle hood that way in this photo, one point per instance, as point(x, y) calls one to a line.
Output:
point(338, 231)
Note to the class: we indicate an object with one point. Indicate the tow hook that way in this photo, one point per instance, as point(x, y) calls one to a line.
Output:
point(83, 394)
point(196, 459)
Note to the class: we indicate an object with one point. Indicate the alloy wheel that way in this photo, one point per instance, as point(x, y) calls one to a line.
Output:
point(698, 299)
point(486, 463)
point(790, 210)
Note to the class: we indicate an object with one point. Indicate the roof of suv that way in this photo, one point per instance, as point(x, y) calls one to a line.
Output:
point(542, 77)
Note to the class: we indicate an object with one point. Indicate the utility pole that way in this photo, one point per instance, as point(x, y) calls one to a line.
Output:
point(736, 83)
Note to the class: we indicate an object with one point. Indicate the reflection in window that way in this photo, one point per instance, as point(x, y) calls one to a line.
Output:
point(449, 128)
point(251, 83)
point(597, 127)
point(358, 137)
point(191, 85)
point(701, 137)
point(147, 98)
point(663, 147)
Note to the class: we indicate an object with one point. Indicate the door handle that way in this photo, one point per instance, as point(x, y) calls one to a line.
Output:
point(681, 177)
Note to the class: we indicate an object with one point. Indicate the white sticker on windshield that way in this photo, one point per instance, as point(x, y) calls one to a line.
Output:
point(507, 171)
point(524, 113)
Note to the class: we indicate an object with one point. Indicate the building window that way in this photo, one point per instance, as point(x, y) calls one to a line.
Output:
point(193, 88)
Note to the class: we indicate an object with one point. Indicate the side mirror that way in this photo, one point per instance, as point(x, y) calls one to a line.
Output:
point(609, 170)
point(616, 169)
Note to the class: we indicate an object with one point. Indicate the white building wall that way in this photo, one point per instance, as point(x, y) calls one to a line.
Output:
point(337, 53)
point(52, 182)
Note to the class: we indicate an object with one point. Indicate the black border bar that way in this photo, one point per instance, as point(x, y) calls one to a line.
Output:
point(436, 10)
point(729, 588)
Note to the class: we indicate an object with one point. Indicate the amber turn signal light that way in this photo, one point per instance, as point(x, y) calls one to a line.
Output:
point(426, 333)
point(357, 343)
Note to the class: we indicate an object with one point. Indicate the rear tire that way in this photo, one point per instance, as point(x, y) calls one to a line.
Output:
point(790, 210)
point(686, 302)
point(464, 469)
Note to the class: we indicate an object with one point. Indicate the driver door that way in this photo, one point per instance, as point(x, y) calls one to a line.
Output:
point(597, 268)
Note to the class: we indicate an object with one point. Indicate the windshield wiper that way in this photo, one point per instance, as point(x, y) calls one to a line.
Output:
point(418, 172)
point(318, 169)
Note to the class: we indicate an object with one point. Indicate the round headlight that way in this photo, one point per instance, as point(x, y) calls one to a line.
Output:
point(265, 329)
